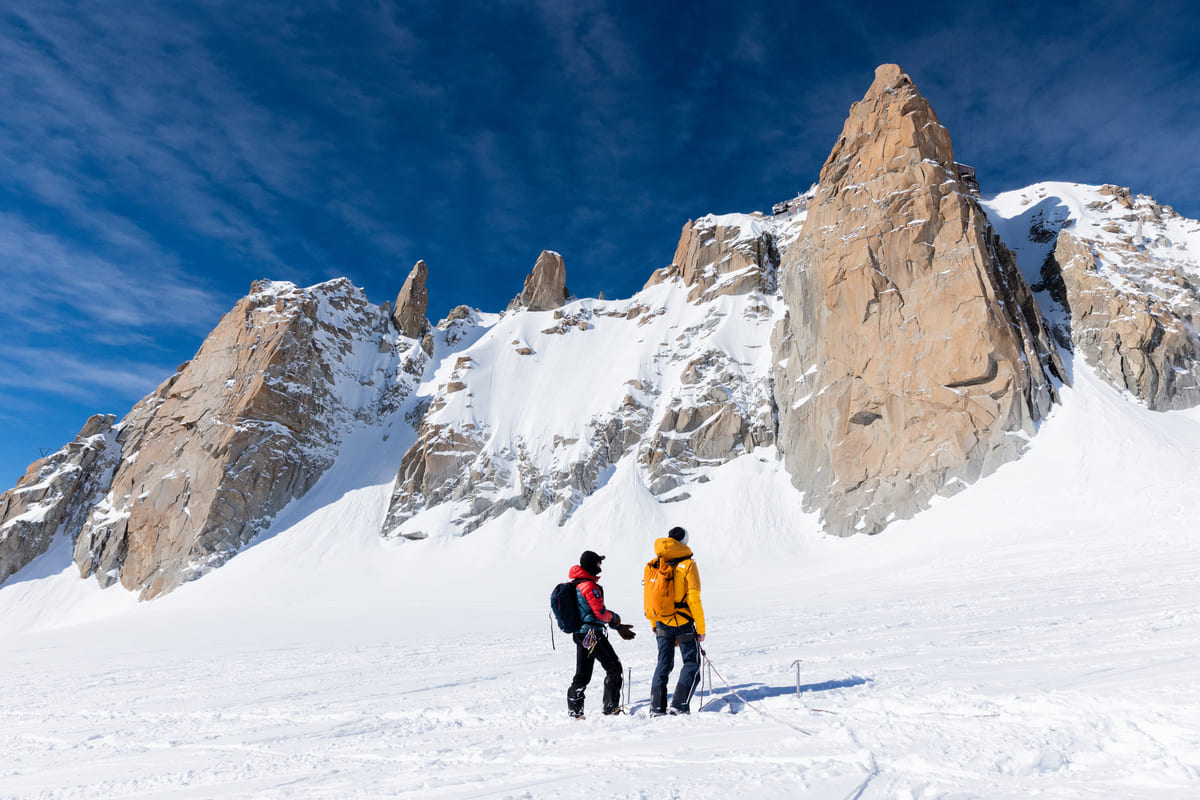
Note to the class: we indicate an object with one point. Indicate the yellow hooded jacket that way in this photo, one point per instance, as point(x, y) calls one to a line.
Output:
point(687, 582)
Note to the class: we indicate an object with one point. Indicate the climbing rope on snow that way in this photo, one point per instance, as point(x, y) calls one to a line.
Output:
point(734, 692)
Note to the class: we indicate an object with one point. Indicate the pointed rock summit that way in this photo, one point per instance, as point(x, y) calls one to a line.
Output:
point(913, 358)
point(412, 302)
point(546, 286)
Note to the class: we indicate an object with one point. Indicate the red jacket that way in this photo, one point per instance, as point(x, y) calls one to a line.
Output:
point(591, 609)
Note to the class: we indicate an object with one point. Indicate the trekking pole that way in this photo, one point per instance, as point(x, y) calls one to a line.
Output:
point(796, 664)
point(552, 647)
point(706, 672)
point(628, 683)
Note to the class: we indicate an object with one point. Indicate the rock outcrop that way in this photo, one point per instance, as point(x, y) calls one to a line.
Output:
point(546, 286)
point(250, 423)
point(56, 494)
point(913, 358)
point(411, 304)
point(1133, 297)
point(723, 255)
point(611, 382)
point(1144, 344)
point(720, 410)
point(1118, 276)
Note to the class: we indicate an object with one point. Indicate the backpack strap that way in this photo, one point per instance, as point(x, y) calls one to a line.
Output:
point(674, 562)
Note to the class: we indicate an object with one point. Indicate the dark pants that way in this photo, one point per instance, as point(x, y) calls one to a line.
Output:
point(689, 673)
point(584, 662)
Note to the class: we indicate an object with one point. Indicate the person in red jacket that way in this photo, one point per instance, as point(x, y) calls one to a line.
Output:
point(591, 642)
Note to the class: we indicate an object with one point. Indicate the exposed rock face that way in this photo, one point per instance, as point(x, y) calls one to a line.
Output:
point(723, 255)
point(411, 303)
point(1145, 344)
point(1118, 277)
point(903, 357)
point(546, 286)
point(1133, 295)
point(248, 425)
point(721, 409)
point(56, 494)
point(912, 359)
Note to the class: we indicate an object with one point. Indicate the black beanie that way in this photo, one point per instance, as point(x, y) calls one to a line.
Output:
point(590, 562)
point(678, 534)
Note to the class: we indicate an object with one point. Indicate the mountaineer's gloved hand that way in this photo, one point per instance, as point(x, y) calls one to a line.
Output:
point(626, 631)
point(616, 620)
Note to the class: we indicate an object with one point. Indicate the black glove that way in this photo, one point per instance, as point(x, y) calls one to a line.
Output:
point(616, 620)
point(626, 632)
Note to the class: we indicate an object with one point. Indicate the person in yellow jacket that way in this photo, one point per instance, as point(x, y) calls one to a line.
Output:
point(684, 628)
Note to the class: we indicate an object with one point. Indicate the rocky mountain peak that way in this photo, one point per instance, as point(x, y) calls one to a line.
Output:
point(411, 303)
point(545, 286)
point(873, 331)
point(250, 423)
point(913, 357)
point(892, 128)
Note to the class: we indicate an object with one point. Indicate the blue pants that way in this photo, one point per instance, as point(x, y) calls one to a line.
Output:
point(689, 673)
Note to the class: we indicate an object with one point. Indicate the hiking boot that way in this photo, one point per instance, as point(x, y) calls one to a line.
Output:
point(658, 712)
point(614, 712)
point(575, 714)
point(676, 711)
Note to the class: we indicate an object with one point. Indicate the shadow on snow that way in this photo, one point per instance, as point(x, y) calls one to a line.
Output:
point(753, 692)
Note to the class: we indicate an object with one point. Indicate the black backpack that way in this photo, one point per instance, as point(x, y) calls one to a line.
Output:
point(565, 606)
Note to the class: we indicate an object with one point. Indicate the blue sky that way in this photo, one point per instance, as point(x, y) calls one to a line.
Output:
point(159, 156)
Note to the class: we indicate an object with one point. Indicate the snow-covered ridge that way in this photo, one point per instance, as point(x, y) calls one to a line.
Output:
point(1118, 276)
point(1132, 233)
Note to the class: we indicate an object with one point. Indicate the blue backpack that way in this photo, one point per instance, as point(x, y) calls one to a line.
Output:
point(565, 605)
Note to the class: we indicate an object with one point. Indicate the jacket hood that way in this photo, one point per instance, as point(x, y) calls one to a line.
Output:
point(669, 548)
point(579, 572)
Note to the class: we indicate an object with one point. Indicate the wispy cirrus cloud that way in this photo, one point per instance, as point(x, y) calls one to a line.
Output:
point(75, 376)
point(51, 284)
point(104, 133)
